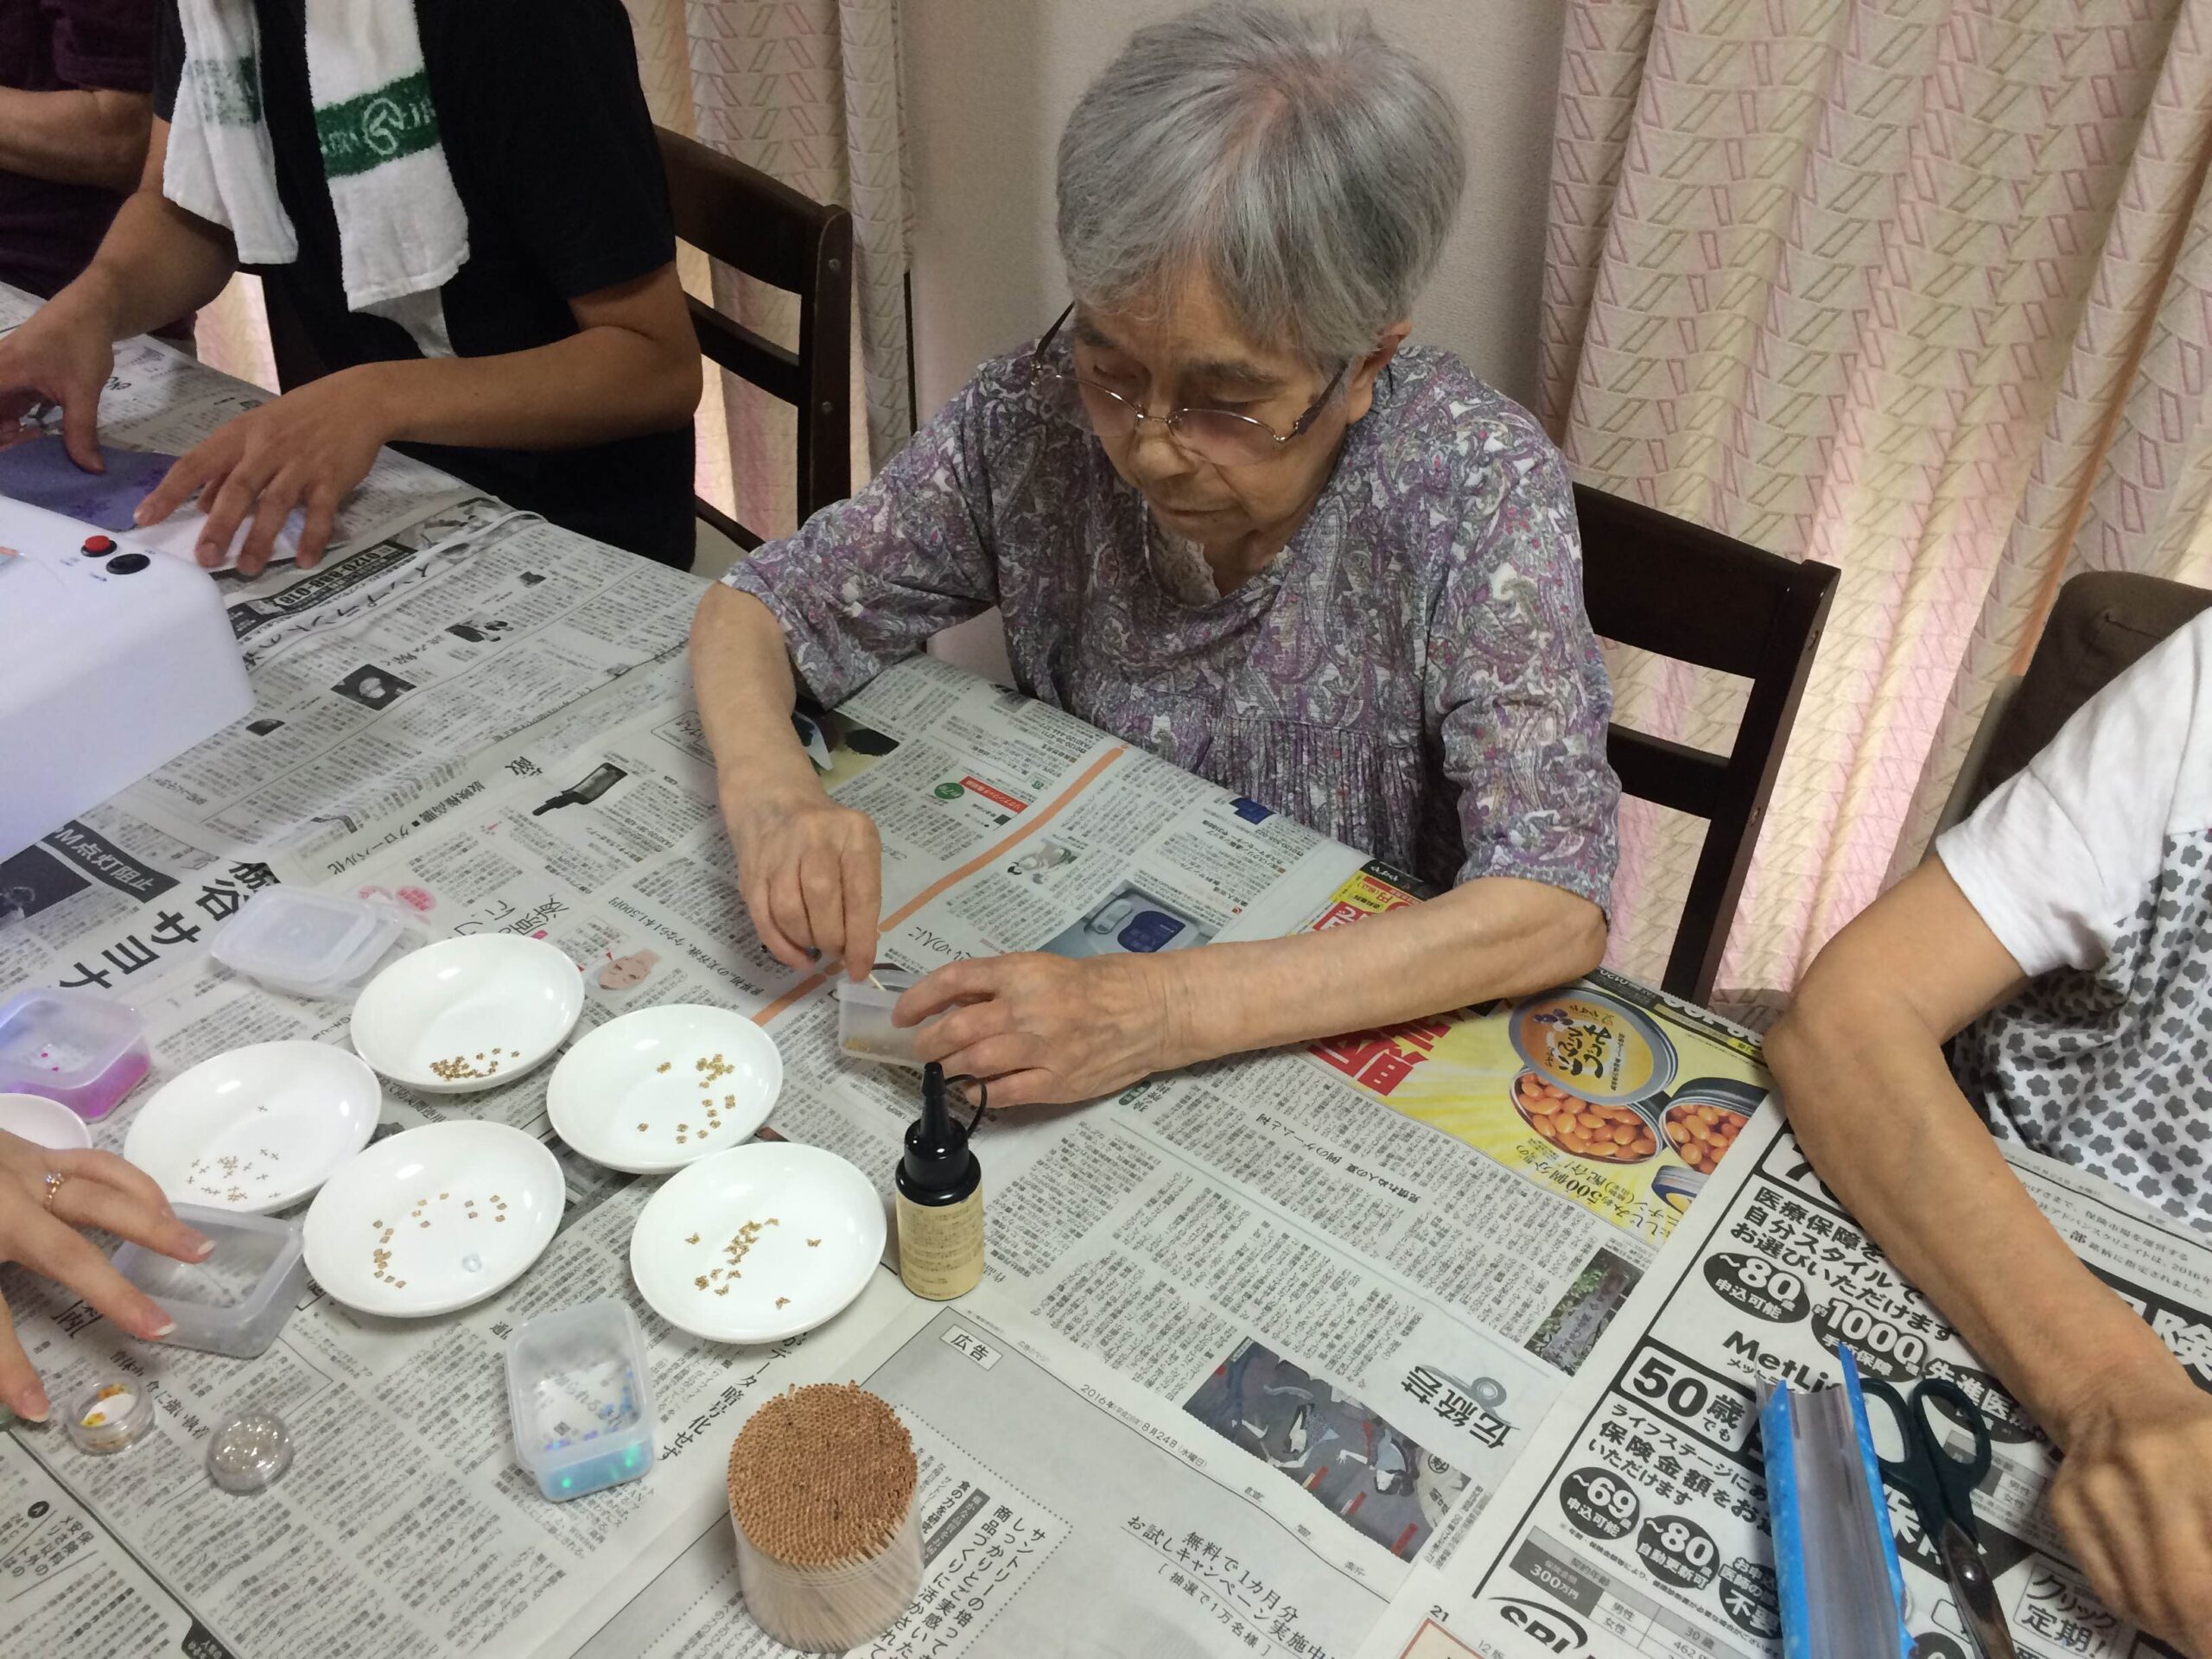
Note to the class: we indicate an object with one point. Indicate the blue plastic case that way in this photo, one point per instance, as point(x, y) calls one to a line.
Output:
point(1834, 1556)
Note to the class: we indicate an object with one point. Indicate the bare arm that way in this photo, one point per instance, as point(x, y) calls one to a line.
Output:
point(156, 264)
point(1859, 1061)
point(633, 365)
point(810, 871)
point(1497, 936)
point(73, 137)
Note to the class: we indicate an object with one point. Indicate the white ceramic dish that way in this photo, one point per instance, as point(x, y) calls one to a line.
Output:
point(256, 1128)
point(469, 1013)
point(664, 1087)
point(459, 1209)
point(44, 1123)
point(782, 1236)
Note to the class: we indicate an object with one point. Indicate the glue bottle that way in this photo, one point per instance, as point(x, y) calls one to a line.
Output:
point(940, 1199)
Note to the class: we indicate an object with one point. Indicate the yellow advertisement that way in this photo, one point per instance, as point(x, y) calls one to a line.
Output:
point(1602, 1092)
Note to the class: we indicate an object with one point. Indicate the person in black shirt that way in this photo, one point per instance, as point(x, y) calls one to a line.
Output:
point(574, 370)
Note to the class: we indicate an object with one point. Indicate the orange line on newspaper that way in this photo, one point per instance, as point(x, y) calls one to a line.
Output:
point(998, 850)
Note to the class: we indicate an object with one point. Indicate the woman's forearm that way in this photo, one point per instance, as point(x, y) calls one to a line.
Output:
point(742, 674)
point(1494, 936)
point(1875, 1107)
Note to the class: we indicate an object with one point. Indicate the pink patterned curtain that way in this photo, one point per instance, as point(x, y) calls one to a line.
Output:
point(806, 90)
point(1921, 289)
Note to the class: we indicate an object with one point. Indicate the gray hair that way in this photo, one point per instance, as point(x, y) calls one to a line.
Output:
point(1307, 168)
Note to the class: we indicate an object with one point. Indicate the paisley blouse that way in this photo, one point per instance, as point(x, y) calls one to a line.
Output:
point(1413, 674)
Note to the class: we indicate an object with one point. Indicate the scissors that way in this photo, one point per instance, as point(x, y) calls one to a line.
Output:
point(1940, 1487)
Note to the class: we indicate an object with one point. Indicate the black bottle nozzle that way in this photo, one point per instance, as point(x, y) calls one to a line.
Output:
point(937, 1159)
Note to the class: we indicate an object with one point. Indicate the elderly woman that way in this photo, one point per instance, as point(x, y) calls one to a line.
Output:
point(1231, 516)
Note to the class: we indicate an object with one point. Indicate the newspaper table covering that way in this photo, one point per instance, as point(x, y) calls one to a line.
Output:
point(1635, 1522)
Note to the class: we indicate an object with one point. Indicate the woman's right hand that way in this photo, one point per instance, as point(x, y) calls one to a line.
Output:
point(2133, 1498)
point(811, 873)
point(38, 1228)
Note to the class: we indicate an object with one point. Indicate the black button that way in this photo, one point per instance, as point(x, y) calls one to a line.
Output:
point(129, 564)
point(97, 547)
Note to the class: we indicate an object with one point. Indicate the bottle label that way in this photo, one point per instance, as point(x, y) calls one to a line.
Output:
point(941, 1247)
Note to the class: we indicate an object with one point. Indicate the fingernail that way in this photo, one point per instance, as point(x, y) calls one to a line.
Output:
point(139, 514)
point(162, 1330)
point(32, 1406)
point(204, 1249)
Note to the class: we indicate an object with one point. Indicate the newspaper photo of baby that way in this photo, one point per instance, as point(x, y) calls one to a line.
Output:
point(1370, 1475)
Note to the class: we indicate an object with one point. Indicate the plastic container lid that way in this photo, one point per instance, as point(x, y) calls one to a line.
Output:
point(76, 1046)
point(304, 943)
point(236, 1301)
point(248, 1452)
point(581, 1399)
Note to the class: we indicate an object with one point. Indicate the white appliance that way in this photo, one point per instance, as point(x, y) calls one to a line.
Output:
point(112, 663)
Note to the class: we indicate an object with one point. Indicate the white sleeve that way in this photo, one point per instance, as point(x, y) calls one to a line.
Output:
point(2058, 859)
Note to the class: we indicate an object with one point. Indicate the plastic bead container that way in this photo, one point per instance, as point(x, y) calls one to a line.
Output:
point(82, 1049)
point(109, 1415)
point(864, 1027)
point(248, 1452)
point(236, 1301)
point(581, 1399)
point(306, 944)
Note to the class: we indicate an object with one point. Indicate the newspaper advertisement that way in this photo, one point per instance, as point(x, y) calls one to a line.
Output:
point(1636, 1523)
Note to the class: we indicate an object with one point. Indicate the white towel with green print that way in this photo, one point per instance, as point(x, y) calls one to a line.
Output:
point(401, 233)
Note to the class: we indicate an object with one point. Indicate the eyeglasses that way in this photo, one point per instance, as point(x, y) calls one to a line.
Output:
point(1218, 436)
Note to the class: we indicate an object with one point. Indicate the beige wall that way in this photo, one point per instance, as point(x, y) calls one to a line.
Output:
point(989, 83)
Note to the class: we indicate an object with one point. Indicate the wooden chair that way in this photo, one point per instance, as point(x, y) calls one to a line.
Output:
point(1679, 591)
point(774, 235)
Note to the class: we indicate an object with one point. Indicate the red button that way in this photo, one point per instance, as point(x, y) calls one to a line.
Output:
point(97, 547)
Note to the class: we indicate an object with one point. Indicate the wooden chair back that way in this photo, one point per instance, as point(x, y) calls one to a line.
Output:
point(772, 233)
point(1677, 589)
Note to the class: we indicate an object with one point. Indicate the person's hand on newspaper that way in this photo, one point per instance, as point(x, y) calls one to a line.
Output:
point(59, 359)
point(45, 1197)
point(2133, 1498)
point(305, 450)
point(1043, 1029)
point(810, 872)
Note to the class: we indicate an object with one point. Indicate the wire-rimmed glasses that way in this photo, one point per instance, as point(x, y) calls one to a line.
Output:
point(1219, 436)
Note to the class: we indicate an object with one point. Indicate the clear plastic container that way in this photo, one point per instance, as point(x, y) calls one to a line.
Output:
point(236, 1301)
point(109, 1415)
point(581, 1399)
point(864, 1027)
point(306, 944)
point(832, 1608)
point(76, 1046)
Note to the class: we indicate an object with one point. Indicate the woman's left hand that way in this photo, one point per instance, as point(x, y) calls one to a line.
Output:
point(307, 450)
point(1043, 1029)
